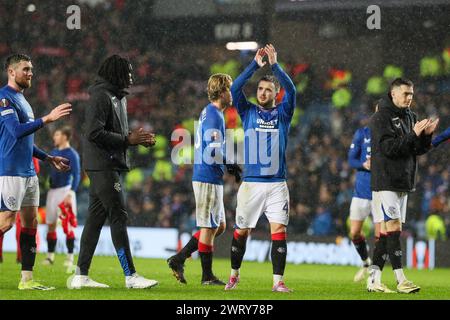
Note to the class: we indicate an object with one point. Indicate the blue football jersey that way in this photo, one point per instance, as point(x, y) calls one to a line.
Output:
point(209, 146)
point(358, 154)
point(266, 131)
point(72, 177)
point(17, 127)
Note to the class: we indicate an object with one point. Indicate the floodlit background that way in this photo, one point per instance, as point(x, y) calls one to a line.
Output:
point(340, 62)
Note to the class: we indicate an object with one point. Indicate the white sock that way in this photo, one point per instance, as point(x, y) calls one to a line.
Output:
point(70, 257)
point(277, 278)
point(51, 256)
point(27, 275)
point(377, 276)
point(234, 272)
point(399, 275)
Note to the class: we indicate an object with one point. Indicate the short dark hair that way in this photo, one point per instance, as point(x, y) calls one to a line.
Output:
point(66, 130)
point(115, 69)
point(16, 58)
point(271, 78)
point(400, 82)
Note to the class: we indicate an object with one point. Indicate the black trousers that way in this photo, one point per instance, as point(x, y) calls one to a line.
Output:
point(106, 200)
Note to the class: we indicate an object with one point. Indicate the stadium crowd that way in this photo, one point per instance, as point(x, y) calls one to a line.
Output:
point(169, 94)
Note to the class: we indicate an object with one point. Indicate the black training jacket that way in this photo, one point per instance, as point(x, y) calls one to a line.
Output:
point(105, 131)
point(394, 148)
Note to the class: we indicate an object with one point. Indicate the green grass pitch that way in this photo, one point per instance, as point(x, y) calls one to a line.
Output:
point(312, 282)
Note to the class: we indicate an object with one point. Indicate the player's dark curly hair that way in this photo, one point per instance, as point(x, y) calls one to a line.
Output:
point(116, 70)
point(15, 58)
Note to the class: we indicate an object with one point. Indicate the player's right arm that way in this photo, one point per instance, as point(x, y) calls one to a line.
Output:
point(239, 99)
point(10, 119)
point(354, 153)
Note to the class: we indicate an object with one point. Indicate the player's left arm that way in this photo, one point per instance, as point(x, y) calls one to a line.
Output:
point(354, 153)
point(39, 153)
point(213, 129)
point(59, 163)
point(288, 104)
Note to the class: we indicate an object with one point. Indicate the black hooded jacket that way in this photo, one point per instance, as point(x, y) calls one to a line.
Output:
point(394, 148)
point(105, 131)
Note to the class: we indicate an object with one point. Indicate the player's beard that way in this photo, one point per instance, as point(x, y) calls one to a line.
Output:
point(267, 105)
point(23, 83)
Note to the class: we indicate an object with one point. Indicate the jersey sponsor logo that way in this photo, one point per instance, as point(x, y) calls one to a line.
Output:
point(271, 124)
point(4, 102)
point(6, 112)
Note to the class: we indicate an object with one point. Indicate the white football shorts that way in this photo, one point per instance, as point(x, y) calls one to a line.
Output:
point(17, 192)
point(54, 198)
point(389, 205)
point(257, 198)
point(360, 209)
point(209, 208)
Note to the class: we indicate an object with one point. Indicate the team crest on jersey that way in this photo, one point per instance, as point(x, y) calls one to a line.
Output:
point(11, 201)
point(4, 103)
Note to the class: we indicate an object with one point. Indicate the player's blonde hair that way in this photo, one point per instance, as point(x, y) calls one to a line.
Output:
point(217, 84)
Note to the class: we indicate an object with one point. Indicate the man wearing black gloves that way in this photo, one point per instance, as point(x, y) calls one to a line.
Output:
point(106, 140)
point(397, 139)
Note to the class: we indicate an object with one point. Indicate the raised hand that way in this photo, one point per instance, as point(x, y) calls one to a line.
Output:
point(259, 57)
point(271, 53)
point(60, 111)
